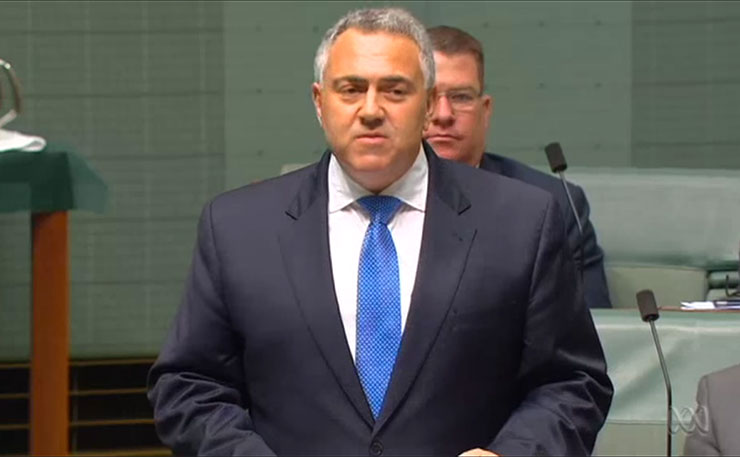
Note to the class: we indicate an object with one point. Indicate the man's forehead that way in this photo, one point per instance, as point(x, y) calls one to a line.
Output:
point(467, 57)
point(456, 71)
point(457, 84)
point(458, 61)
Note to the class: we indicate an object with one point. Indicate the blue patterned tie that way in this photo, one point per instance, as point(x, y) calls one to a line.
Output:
point(378, 302)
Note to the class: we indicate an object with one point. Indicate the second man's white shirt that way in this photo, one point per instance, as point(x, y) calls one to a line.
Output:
point(348, 223)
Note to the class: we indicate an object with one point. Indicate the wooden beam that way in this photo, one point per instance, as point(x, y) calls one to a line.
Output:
point(50, 342)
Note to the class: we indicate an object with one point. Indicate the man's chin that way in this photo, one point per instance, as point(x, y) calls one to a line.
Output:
point(365, 160)
point(370, 164)
point(373, 175)
point(445, 150)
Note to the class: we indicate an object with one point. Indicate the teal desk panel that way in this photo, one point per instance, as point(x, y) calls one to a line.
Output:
point(694, 343)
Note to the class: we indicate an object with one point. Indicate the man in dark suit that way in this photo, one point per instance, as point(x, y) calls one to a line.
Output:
point(458, 132)
point(383, 300)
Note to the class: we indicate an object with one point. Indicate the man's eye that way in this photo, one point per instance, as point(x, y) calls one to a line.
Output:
point(396, 93)
point(350, 90)
point(461, 98)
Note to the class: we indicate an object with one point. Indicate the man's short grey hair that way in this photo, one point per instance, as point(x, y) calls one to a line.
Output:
point(390, 20)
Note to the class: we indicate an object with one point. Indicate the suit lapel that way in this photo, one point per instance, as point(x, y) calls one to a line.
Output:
point(445, 245)
point(305, 249)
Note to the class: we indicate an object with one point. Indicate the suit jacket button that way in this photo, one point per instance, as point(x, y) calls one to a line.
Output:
point(376, 448)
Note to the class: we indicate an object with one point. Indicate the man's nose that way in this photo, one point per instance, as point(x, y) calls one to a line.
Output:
point(443, 113)
point(371, 113)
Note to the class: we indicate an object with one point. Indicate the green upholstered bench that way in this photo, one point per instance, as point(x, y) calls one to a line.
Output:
point(718, 279)
point(722, 282)
point(671, 230)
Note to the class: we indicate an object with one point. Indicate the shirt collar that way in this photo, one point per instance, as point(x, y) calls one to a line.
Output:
point(411, 188)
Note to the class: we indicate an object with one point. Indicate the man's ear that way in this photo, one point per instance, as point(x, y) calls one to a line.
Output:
point(487, 108)
point(431, 105)
point(316, 96)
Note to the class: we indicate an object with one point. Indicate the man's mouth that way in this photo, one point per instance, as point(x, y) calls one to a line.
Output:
point(372, 138)
point(442, 137)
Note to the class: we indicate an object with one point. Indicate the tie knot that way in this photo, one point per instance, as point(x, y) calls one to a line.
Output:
point(381, 207)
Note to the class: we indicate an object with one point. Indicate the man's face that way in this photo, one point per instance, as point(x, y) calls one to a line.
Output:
point(461, 115)
point(373, 106)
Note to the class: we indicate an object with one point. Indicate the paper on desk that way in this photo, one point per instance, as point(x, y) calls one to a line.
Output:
point(719, 304)
point(697, 305)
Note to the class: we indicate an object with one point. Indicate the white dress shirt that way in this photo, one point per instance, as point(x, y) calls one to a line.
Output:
point(348, 222)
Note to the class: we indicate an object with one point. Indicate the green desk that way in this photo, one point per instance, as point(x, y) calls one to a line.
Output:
point(694, 343)
point(48, 184)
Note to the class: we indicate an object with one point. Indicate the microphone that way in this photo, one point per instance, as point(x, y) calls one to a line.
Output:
point(558, 165)
point(649, 314)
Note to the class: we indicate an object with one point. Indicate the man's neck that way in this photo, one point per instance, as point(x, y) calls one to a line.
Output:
point(377, 182)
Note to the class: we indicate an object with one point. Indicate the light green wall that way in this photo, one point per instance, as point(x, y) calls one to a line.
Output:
point(137, 89)
point(686, 84)
point(558, 71)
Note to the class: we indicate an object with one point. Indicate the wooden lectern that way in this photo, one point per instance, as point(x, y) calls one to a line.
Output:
point(48, 184)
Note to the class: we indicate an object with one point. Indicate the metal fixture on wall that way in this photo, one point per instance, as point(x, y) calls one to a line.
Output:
point(15, 87)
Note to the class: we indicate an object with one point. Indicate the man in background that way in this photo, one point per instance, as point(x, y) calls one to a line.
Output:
point(380, 301)
point(458, 132)
point(716, 421)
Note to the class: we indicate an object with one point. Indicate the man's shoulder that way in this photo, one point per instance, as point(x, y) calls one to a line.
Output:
point(496, 187)
point(725, 379)
point(520, 171)
point(722, 403)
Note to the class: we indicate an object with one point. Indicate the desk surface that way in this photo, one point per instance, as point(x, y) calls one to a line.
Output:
point(693, 343)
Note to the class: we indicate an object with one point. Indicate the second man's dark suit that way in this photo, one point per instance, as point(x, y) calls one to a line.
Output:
point(257, 360)
point(594, 279)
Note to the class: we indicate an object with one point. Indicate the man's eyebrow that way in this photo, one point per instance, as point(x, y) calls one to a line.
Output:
point(353, 79)
point(349, 79)
point(395, 80)
point(461, 88)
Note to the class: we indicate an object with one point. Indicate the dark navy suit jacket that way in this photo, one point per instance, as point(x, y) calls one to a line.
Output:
point(592, 265)
point(257, 360)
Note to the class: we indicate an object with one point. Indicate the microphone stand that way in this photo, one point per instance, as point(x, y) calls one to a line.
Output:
point(649, 313)
point(572, 207)
point(558, 165)
point(668, 390)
